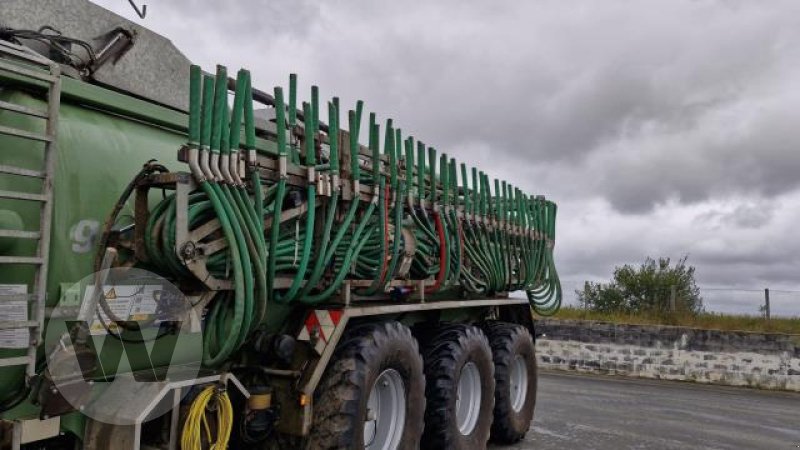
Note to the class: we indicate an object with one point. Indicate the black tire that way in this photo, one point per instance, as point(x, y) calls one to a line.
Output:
point(340, 406)
point(508, 341)
point(445, 357)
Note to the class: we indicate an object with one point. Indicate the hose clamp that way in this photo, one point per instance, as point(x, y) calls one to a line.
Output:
point(324, 184)
point(194, 165)
point(225, 166)
point(282, 169)
point(312, 175)
point(214, 166)
point(243, 165)
point(409, 250)
point(376, 193)
point(237, 168)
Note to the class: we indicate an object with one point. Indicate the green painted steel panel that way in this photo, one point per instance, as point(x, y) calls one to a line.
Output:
point(98, 154)
point(104, 138)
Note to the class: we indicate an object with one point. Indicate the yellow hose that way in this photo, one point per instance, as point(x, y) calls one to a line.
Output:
point(197, 421)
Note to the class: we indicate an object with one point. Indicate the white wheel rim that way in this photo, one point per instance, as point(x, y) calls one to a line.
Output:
point(468, 398)
point(386, 412)
point(519, 383)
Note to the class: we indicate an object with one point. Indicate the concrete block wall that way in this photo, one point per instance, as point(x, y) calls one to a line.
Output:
point(767, 361)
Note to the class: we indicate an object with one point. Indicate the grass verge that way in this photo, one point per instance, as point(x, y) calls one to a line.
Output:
point(710, 321)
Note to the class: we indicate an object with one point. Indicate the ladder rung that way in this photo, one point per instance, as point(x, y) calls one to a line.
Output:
point(24, 53)
point(22, 109)
point(12, 325)
point(25, 134)
point(21, 260)
point(17, 361)
point(20, 234)
point(22, 172)
point(23, 196)
point(13, 68)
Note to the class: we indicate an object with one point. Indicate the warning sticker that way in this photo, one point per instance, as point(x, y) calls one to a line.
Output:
point(125, 302)
point(14, 308)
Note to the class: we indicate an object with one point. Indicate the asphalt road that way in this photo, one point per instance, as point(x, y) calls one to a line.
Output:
point(592, 412)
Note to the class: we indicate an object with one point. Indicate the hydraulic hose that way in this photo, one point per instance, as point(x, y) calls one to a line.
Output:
point(322, 258)
point(292, 240)
point(311, 192)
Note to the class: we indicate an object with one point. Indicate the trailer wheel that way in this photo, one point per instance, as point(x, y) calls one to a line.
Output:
point(460, 389)
point(515, 376)
point(372, 395)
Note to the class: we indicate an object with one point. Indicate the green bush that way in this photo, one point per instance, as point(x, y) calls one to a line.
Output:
point(645, 289)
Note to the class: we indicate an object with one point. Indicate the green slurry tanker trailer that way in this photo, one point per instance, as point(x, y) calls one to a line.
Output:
point(190, 263)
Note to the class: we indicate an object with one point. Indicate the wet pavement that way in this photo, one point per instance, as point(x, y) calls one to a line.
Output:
point(595, 412)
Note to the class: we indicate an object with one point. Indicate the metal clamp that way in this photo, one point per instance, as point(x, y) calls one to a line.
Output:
point(376, 193)
point(282, 166)
point(312, 175)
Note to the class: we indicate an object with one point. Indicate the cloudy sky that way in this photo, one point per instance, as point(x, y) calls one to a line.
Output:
point(661, 128)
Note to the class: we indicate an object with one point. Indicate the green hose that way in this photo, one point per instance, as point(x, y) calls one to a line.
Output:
point(471, 237)
point(321, 254)
point(311, 193)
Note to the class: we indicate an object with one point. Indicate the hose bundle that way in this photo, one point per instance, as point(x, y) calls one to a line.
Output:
point(387, 215)
point(214, 144)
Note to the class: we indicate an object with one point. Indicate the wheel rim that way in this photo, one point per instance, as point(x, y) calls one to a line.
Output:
point(519, 383)
point(386, 412)
point(468, 398)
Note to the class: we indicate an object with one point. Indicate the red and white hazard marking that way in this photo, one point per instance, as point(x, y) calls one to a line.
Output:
point(319, 327)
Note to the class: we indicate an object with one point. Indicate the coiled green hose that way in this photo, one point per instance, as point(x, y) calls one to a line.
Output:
point(470, 236)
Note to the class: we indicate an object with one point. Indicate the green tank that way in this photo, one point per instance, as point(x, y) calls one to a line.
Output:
point(318, 269)
point(99, 151)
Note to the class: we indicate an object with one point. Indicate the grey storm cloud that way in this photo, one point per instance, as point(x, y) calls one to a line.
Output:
point(671, 121)
point(686, 100)
point(745, 215)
